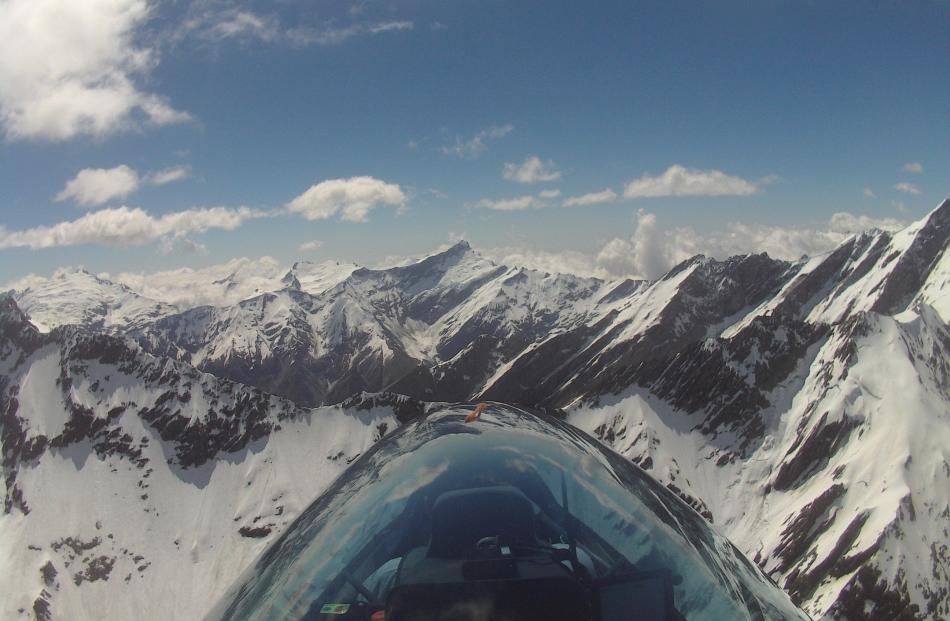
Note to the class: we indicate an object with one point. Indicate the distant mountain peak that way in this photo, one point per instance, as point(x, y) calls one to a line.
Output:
point(459, 246)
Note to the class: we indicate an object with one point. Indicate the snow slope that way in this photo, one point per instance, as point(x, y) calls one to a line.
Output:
point(802, 407)
point(844, 497)
point(136, 487)
point(75, 296)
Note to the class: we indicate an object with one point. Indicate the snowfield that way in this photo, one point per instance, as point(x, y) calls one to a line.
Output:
point(156, 440)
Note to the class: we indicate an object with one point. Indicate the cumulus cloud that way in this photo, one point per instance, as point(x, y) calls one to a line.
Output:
point(869, 193)
point(681, 181)
point(310, 246)
point(651, 251)
point(913, 167)
point(476, 145)
point(71, 68)
point(532, 170)
point(906, 188)
point(847, 223)
point(593, 198)
point(564, 262)
point(352, 198)
point(94, 186)
point(124, 226)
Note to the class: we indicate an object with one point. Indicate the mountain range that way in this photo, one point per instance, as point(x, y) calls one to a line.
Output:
point(151, 448)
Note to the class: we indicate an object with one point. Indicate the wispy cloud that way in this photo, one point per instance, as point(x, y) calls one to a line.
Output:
point(229, 22)
point(124, 226)
point(906, 188)
point(513, 204)
point(913, 167)
point(168, 175)
point(541, 200)
point(593, 198)
point(476, 145)
point(331, 34)
point(681, 181)
point(77, 70)
point(532, 170)
point(869, 193)
point(219, 21)
point(351, 198)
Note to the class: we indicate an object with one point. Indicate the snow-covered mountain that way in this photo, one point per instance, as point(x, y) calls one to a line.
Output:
point(439, 328)
point(78, 297)
point(803, 408)
point(139, 487)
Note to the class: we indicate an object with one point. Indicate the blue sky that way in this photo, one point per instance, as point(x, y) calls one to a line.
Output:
point(145, 135)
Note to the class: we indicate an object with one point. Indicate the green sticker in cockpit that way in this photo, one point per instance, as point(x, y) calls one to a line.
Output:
point(334, 609)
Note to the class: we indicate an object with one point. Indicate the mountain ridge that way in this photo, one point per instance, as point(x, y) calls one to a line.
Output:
point(800, 406)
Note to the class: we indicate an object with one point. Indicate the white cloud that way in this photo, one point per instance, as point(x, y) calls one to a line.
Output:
point(168, 175)
point(541, 200)
point(651, 251)
point(645, 254)
point(532, 170)
point(906, 188)
point(593, 198)
point(70, 68)
point(393, 26)
point(681, 181)
point(564, 262)
point(232, 23)
point(218, 21)
point(476, 145)
point(26, 282)
point(332, 34)
point(181, 245)
point(94, 186)
point(124, 226)
point(869, 193)
point(352, 198)
point(913, 167)
point(310, 246)
point(217, 285)
point(513, 204)
point(846, 223)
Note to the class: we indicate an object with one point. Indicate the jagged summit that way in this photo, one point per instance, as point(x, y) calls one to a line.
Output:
point(800, 406)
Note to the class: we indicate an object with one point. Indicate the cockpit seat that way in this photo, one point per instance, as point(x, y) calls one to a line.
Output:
point(461, 518)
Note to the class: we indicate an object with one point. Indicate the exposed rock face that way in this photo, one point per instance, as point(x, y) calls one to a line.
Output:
point(138, 486)
point(802, 407)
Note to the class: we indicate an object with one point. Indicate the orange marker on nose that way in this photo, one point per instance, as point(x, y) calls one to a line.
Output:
point(475, 413)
